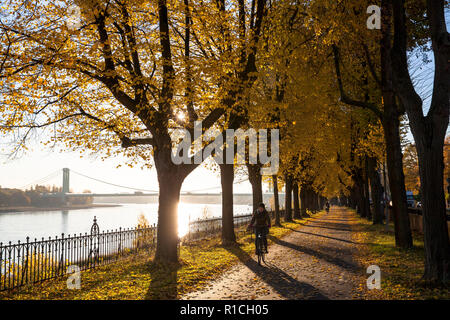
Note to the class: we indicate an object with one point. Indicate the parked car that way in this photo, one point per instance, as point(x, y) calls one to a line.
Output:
point(410, 199)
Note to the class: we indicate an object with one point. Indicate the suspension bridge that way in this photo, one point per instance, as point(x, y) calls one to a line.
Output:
point(136, 192)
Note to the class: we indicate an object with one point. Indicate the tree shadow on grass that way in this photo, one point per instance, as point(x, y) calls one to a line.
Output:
point(276, 278)
point(163, 285)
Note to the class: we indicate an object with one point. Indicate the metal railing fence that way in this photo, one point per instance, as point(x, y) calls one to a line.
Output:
point(39, 260)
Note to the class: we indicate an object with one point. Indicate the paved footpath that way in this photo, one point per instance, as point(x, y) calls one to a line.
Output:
point(312, 262)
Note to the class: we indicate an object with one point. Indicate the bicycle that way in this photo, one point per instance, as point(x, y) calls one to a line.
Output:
point(260, 248)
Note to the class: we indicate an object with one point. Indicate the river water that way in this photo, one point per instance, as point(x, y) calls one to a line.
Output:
point(16, 226)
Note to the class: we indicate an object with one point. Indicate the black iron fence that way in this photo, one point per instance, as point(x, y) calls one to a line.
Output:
point(204, 228)
point(39, 260)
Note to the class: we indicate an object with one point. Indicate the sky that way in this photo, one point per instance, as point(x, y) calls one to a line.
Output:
point(39, 162)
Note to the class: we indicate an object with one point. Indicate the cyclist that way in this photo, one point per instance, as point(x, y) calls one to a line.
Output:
point(261, 222)
point(327, 206)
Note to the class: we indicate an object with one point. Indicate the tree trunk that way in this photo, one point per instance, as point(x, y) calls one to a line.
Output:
point(313, 201)
point(255, 178)
point(359, 193)
point(310, 199)
point(428, 131)
point(391, 124)
point(316, 201)
point(303, 200)
point(167, 235)
point(288, 199)
point(352, 198)
point(364, 201)
point(437, 253)
point(366, 189)
point(227, 178)
point(376, 189)
point(322, 201)
point(170, 178)
point(276, 200)
point(297, 214)
point(403, 237)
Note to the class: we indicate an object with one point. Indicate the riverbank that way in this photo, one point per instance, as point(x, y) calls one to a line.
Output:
point(60, 208)
point(138, 277)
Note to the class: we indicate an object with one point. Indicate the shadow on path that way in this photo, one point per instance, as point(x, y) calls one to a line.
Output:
point(279, 280)
point(325, 227)
point(334, 219)
point(328, 237)
point(320, 255)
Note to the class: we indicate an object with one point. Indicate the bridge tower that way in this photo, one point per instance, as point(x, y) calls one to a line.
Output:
point(66, 176)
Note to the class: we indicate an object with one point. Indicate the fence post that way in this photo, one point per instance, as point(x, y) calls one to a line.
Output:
point(55, 269)
point(26, 263)
point(120, 240)
point(9, 266)
point(61, 259)
point(16, 265)
point(1, 259)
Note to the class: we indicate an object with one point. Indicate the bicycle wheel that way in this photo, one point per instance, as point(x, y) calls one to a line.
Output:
point(259, 249)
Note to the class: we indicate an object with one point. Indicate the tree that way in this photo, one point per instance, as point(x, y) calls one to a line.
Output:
point(255, 178)
point(336, 27)
point(226, 178)
point(390, 120)
point(276, 200)
point(428, 130)
point(295, 194)
point(244, 71)
point(288, 197)
point(389, 114)
point(376, 191)
point(124, 79)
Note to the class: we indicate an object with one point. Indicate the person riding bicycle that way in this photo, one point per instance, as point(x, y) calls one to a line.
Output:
point(327, 206)
point(261, 222)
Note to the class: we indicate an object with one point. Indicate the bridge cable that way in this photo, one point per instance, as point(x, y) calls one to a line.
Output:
point(137, 189)
point(44, 179)
point(211, 188)
point(113, 184)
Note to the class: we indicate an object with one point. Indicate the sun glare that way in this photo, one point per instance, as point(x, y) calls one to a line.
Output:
point(183, 219)
point(180, 116)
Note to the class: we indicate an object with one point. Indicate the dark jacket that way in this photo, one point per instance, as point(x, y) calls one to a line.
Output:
point(260, 219)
